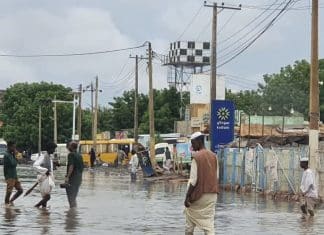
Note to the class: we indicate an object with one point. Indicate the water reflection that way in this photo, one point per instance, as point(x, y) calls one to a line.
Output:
point(10, 215)
point(71, 220)
point(44, 220)
point(110, 204)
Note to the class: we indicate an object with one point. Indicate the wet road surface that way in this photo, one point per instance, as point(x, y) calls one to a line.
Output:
point(108, 203)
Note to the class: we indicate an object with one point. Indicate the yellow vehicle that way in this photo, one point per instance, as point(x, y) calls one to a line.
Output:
point(106, 150)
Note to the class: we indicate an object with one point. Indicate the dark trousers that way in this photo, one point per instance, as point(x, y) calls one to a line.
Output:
point(11, 184)
point(72, 193)
point(44, 201)
point(133, 176)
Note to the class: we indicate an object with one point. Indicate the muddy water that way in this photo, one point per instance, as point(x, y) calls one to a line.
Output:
point(110, 204)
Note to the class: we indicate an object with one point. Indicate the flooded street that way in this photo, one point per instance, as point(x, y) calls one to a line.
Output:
point(110, 204)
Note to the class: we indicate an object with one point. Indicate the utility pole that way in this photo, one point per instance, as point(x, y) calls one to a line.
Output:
point(92, 118)
point(55, 115)
point(136, 99)
point(55, 122)
point(73, 123)
point(151, 108)
point(95, 123)
point(39, 129)
point(213, 60)
point(314, 91)
point(79, 112)
point(94, 110)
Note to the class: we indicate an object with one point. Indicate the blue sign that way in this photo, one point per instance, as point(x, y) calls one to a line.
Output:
point(222, 123)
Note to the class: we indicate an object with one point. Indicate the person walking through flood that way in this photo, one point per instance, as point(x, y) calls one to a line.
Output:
point(167, 161)
point(133, 165)
point(73, 178)
point(308, 188)
point(92, 157)
point(45, 178)
point(10, 173)
point(202, 188)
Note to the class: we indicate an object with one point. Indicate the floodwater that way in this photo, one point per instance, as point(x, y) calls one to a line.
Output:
point(108, 203)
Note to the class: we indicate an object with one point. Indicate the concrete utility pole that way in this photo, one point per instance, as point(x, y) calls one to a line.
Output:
point(55, 122)
point(79, 112)
point(151, 108)
point(73, 123)
point(213, 61)
point(39, 129)
point(136, 100)
point(95, 124)
point(314, 91)
point(92, 115)
point(55, 115)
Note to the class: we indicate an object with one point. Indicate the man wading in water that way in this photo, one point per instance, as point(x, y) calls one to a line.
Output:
point(10, 173)
point(73, 176)
point(45, 178)
point(308, 189)
point(202, 188)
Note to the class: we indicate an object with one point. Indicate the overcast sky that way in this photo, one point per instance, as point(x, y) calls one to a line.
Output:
point(74, 26)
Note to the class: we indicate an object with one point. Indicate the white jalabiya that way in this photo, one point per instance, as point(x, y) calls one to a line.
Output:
point(46, 182)
point(201, 213)
point(308, 185)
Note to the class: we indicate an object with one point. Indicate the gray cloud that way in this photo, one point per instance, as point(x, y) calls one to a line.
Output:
point(29, 27)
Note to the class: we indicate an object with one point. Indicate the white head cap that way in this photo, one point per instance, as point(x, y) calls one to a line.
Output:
point(195, 135)
point(303, 159)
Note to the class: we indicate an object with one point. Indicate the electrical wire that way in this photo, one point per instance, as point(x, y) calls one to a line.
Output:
point(115, 78)
point(258, 36)
point(226, 23)
point(190, 23)
point(246, 26)
point(125, 79)
point(245, 35)
point(73, 54)
point(238, 78)
point(262, 7)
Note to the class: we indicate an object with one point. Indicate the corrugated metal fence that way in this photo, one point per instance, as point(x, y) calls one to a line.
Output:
point(269, 170)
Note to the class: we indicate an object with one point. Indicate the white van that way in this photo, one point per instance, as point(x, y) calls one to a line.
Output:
point(61, 153)
point(160, 149)
point(3, 148)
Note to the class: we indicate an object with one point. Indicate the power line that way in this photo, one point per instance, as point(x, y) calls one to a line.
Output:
point(247, 25)
point(238, 78)
point(72, 54)
point(127, 78)
point(189, 24)
point(226, 23)
point(259, 35)
point(245, 35)
point(263, 7)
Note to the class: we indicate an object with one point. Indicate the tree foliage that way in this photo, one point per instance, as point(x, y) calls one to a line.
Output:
point(167, 103)
point(20, 113)
point(282, 91)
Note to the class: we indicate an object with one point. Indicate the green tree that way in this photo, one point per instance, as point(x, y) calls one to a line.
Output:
point(167, 104)
point(249, 101)
point(282, 91)
point(19, 113)
point(288, 89)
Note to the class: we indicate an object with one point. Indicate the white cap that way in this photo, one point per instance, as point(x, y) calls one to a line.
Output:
point(303, 159)
point(195, 135)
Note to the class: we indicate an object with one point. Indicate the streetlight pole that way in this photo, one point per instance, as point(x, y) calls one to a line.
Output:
point(283, 127)
point(55, 119)
point(39, 129)
point(55, 122)
point(73, 123)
